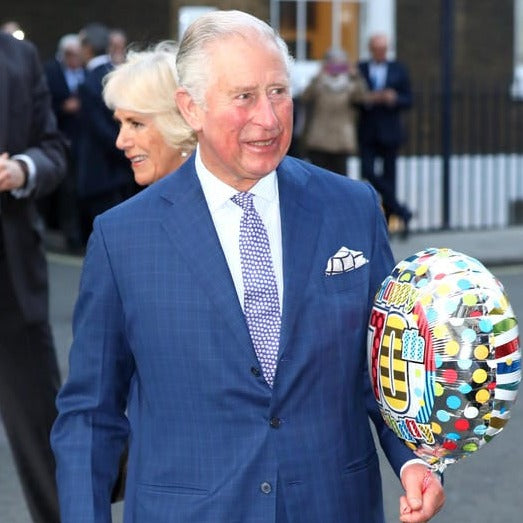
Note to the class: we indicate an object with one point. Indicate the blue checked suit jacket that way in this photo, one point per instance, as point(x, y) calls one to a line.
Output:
point(158, 328)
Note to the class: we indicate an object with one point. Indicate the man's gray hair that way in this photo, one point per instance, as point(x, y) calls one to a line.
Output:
point(192, 61)
point(67, 41)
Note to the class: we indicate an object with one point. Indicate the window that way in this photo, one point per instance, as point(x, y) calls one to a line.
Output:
point(311, 27)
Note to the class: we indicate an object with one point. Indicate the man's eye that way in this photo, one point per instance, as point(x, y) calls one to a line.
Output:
point(244, 96)
point(278, 91)
point(136, 124)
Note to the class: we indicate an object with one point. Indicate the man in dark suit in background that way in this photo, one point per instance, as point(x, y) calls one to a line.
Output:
point(64, 75)
point(380, 127)
point(105, 177)
point(32, 164)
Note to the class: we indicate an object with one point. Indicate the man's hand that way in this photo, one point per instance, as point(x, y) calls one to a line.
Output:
point(11, 174)
point(384, 96)
point(424, 495)
point(71, 105)
point(390, 96)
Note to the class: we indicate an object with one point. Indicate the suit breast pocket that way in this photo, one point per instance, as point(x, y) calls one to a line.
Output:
point(355, 281)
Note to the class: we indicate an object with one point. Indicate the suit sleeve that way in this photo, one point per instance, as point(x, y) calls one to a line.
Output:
point(46, 146)
point(98, 118)
point(403, 88)
point(91, 429)
point(382, 261)
point(59, 91)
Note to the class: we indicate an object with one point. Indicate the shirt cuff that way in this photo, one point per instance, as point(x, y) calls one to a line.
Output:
point(412, 462)
point(23, 192)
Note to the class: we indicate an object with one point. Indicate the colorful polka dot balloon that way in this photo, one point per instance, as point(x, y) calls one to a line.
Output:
point(444, 355)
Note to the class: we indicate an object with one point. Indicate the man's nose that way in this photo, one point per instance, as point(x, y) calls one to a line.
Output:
point(265, 112)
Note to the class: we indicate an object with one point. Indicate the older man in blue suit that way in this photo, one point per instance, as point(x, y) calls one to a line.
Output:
point(229, 421)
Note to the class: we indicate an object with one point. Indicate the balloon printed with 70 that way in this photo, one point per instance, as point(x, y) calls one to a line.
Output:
point(444, 355)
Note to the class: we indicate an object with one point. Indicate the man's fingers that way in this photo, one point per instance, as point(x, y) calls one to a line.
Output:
point(413, 492)
point(414, 510)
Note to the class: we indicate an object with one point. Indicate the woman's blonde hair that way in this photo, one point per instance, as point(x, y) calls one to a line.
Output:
point(146, 83)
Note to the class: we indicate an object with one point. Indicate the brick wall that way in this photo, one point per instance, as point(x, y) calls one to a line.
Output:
point(483, 45)
point(486, 39)
point(483, 39)
point(45, 22)
point(144, 20)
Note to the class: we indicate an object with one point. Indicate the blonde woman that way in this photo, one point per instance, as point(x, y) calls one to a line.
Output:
point(153, 134)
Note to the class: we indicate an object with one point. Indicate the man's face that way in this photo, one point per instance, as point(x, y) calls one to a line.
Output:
point(245, 128)
point(117, 47)
point(73, 57)
point(378, 48)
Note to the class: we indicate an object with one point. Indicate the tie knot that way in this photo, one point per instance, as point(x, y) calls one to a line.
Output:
point(243, 199)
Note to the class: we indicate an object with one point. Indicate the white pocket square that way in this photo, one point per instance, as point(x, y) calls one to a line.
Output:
point(345, 260)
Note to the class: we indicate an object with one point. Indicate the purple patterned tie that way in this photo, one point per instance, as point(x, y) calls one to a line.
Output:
point(261, 303)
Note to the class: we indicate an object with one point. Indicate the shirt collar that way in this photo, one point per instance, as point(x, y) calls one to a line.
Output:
point(218, 193)
point(96, 61)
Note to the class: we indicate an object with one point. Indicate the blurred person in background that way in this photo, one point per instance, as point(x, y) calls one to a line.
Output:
point(13, 28)
point(104, 174)
point(117, 48)
point(32, 164)
point(330, 132)
point(153, 135)
point(65, 73)
point(381, 132)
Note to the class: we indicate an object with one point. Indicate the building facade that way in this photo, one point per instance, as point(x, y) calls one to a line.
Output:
point(488, 36)
point(485, 84)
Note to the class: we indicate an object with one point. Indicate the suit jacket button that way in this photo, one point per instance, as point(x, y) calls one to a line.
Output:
point(255, 372)
point(275, 423)
point(265, 487)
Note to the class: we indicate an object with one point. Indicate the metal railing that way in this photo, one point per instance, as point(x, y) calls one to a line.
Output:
point(486, 165)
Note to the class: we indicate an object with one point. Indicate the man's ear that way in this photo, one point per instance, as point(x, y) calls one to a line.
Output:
point(188, 108)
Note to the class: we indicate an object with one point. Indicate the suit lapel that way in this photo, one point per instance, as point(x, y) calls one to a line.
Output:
point(365, 69)
point(301, 220)
point(4, 64)
point(188, 224)
point(388, 75)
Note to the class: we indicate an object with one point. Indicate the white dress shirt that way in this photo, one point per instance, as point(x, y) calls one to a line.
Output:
point(73, 78)
point(378, 75)
point(226, 216)
point(93, 63)
point(23, 192)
